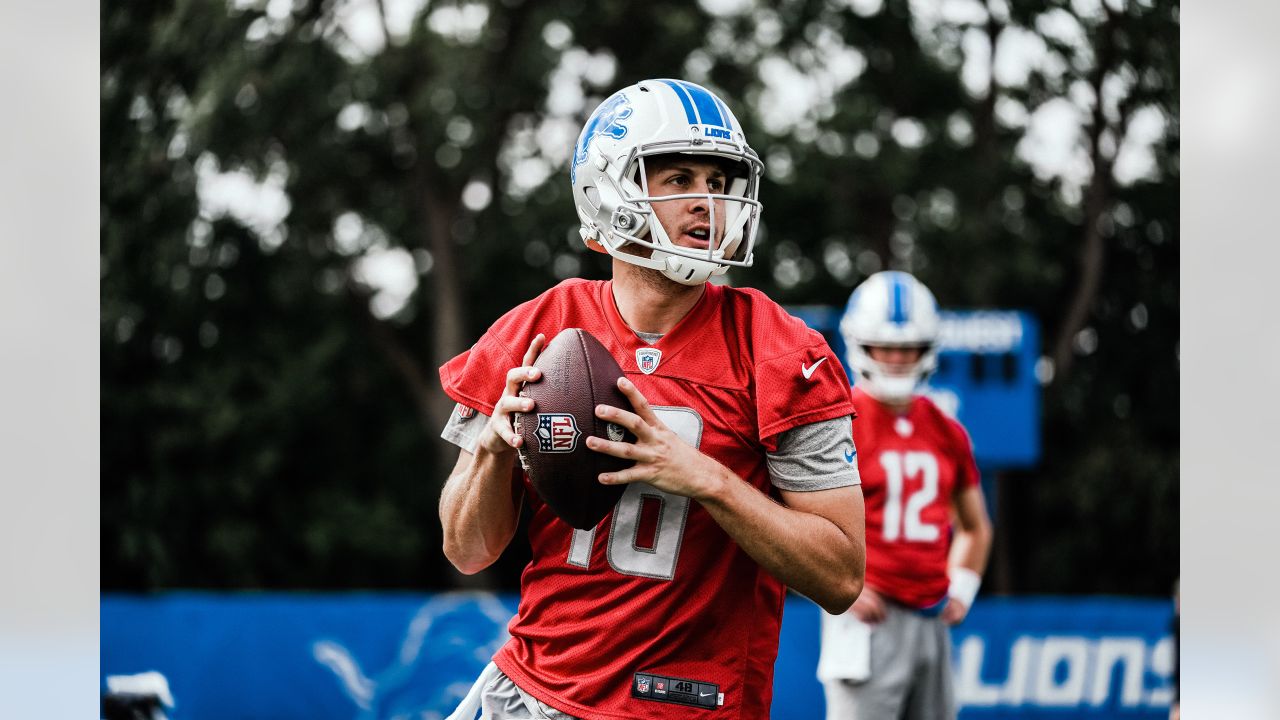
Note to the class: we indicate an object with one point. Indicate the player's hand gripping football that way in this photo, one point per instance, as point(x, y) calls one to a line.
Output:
point(499, 436)
point(662, 459)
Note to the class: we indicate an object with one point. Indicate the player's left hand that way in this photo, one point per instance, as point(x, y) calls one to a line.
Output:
point(662, 459)
point(955, 612)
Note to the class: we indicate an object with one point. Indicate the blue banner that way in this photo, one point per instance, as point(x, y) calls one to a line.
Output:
point(986, 377)
point(372, 656)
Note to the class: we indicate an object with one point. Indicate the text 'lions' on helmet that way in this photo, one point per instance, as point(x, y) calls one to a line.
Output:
point(610, 188)
point(890, 309)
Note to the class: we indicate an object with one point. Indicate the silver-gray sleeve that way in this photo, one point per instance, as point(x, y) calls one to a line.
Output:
point(464, 431)
point(817, 456)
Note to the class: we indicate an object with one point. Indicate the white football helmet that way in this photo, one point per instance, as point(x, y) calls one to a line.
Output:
point(611, 193)
point(890, 309)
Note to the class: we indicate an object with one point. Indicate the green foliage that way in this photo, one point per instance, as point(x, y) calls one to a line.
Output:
point(269, 421)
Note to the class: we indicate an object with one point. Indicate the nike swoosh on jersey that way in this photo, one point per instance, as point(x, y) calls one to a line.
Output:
point(808, 370)
point(849, 456)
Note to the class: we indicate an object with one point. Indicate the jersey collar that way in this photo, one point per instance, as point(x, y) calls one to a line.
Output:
point(680, 336)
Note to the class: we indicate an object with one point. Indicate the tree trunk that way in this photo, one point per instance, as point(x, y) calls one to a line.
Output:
point(1096, 201)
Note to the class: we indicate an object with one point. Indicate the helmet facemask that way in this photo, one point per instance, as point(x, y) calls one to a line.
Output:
point(892, 385)
point(732, 216)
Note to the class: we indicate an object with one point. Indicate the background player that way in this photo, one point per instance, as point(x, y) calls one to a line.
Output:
point(890, 655)
point(742, 482)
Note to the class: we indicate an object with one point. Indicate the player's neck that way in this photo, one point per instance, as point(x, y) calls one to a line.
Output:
point(650, 302)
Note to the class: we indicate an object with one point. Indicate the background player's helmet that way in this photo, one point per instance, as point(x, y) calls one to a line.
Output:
point(610, 191)
point(890, 309)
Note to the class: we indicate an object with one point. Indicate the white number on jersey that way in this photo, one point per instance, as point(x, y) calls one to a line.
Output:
point(904, 520)
point(625, 555)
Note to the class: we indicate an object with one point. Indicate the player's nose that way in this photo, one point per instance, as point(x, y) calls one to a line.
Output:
point(700, 203)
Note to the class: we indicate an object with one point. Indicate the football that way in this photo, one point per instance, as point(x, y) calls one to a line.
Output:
point(578, 373)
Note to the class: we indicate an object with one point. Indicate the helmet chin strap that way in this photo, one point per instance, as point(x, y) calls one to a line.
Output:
point(688, 271)
point(890, 388)
point(681, 269)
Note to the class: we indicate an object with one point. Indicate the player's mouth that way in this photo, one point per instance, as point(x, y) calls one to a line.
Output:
point(698, 236)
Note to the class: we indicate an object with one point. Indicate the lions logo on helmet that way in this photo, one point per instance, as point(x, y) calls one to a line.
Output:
point(610, 192)
point(606, 120)
point(890, 309)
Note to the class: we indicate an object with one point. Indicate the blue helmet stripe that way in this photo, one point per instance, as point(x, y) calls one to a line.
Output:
point(700, 106)
point(706, 103)
point(684, 100)
point(724, 111)
point(898, 300)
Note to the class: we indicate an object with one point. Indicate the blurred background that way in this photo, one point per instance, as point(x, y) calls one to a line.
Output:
point(306, 207)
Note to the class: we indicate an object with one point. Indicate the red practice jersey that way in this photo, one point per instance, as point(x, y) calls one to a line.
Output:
point(657, 602)
point(912, 466)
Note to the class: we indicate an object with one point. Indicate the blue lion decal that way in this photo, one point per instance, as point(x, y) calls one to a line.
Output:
point(448, 642)
point(606, 120)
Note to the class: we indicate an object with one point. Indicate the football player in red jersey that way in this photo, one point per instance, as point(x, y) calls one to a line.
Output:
point(743, 484)
point(890, 655)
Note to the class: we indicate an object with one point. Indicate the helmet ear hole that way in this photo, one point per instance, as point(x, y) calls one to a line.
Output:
point(593, 196)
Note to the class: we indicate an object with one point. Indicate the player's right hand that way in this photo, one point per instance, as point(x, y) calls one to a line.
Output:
point(499, 436)
point(869, 607)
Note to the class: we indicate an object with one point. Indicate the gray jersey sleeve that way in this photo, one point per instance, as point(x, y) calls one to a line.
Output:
point(464, 428)
point(817, 456)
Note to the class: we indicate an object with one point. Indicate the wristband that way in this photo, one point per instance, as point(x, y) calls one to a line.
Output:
point(964, 585)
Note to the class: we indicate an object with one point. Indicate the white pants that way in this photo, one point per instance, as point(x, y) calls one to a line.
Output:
point(910, 672)
point(496, 697)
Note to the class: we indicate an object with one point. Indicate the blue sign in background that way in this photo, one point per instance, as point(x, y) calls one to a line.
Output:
point(986, 377)
point(375, 656)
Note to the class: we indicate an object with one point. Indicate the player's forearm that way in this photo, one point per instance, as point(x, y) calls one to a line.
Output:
point(478, 511)
point(971, 547)
point(809, 553)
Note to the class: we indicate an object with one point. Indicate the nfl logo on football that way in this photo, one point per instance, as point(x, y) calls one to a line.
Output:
point(647, 359)
point(557, 432)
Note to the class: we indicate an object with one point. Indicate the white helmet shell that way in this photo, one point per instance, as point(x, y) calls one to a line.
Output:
point(890, 309)
point(610, 189)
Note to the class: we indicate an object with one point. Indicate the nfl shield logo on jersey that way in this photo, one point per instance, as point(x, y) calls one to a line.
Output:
point(557, 432)
point(642, 683)
point(647, 359)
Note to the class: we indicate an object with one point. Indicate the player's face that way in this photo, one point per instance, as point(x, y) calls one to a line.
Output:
point(687, 221)
point(896, 360)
